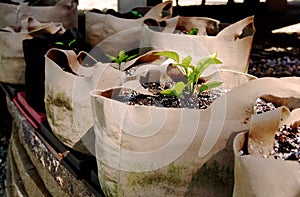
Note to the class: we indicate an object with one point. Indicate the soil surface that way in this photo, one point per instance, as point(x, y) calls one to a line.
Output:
point(286, 140)
point(191, 101)
point(287, 143)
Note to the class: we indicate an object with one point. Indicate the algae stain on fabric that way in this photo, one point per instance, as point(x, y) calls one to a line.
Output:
point(54, 103)
point(59, 100)
point(172, 177)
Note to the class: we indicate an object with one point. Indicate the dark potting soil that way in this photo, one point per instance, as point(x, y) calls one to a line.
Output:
point(287, 143)
point(287, 138)
point(202, 101)
point(263, 106)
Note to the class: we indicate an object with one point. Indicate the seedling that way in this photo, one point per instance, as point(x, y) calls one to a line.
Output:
point(192, 74)
point(66, 44)
point(122, 57)
point(136, 14)
point(193, 31)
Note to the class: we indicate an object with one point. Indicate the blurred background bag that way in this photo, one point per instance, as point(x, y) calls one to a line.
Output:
point(12, 64)
point(101, 26)
point(64, 11)
point(232, 44)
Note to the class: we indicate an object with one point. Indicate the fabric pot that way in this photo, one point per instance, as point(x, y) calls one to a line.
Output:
point(257, 174)
point(152, 151)
point(101, 26)
point(110, 34)
point(232, 44)
point(12, 64)
point(68, 80)
point(34, 54)
point(63, 68)
point(65, 12)
point(131, 38)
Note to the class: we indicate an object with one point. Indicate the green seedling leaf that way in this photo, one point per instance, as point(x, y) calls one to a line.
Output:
point(193, 31)
point(190, 70)
point(186, 62)
point(73, 41)
point(169, 54)
point(121, 53)
point(210, 60)
point(184, 65)
point(131, 57)
point(122, 56)
point(179, 87)
point(136, 13)
point(209, 85)
point(192, 74)
point(192, 77)
point(204, 63)
point(117, 60)
point(169, 92)
point(175, 91)
point(59, 43)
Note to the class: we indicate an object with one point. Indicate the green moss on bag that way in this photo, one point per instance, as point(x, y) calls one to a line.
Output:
point(173, 178)
point(59, 100)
